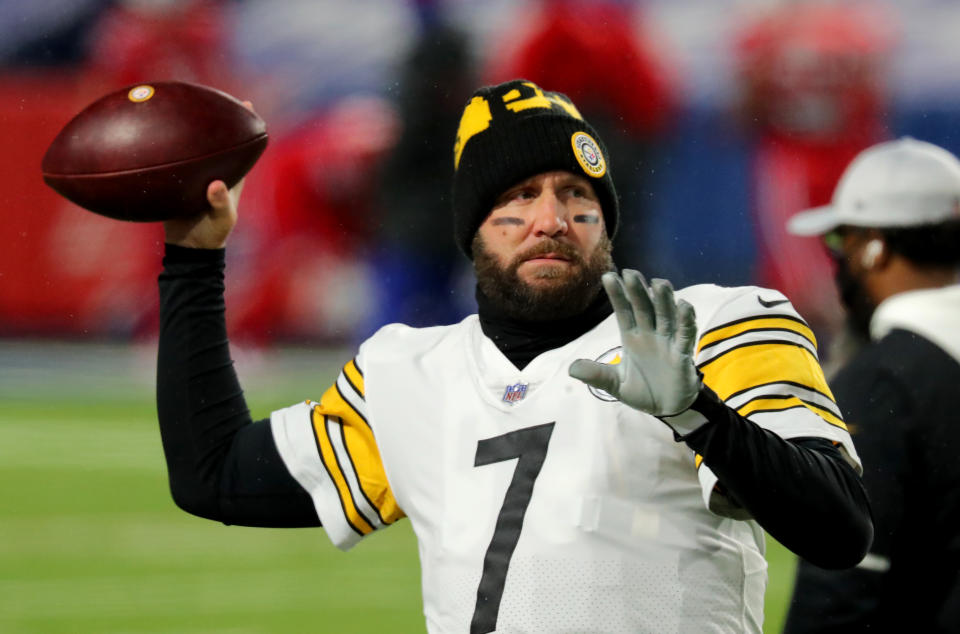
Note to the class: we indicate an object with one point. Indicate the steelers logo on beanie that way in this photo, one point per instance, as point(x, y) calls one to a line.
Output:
point(515, 130)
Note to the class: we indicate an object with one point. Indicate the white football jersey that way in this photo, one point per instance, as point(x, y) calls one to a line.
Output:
point(541, 504)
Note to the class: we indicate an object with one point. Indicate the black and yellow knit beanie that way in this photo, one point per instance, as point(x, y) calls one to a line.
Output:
point(515, 130)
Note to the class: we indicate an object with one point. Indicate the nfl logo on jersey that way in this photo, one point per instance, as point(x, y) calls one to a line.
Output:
point(515, 393)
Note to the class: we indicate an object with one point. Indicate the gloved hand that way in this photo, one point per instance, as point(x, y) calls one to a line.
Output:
point(656, 373)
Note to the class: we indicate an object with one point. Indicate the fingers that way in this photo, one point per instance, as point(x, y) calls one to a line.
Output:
point(222, 200)
point(613, 285)
point(686, 337)
point(217, 195)
point(639, 295)
point(649, 307)
point(599, 375)
point(664, 307)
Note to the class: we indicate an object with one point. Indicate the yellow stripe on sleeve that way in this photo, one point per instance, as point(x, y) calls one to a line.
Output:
point(373, 480)
point(333, 404)
point(750, 366)
point(354, 376)
point(759, 323)
point(747, 367)
point(364, 454)
point(777, 404)
point(332, 465)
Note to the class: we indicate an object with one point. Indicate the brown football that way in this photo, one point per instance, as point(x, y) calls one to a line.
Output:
point(148, 152)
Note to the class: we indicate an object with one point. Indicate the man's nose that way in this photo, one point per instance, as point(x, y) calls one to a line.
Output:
point(550, 216)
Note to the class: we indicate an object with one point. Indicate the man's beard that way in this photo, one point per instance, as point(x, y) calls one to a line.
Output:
point(855, 299)
point(542, 302)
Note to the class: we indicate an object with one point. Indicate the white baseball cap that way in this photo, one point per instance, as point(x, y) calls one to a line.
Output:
point(902, 183)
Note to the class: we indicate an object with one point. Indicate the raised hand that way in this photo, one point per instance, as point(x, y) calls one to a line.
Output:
point(211, 229)
point(656, 373)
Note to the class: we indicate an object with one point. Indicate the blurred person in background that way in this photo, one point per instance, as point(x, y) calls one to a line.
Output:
point(59, 56)
point(893, 228)
point(326, 72)
point(419, 278)
point(153, 40)
point(812, 84)
point(605, 56)
point(312, 223)
point(330, 127)
point(632, 495)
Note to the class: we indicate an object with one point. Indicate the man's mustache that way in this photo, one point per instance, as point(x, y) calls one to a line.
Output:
point(549, 245)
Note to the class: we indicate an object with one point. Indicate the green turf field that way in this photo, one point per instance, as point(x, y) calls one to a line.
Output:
point(91, 542)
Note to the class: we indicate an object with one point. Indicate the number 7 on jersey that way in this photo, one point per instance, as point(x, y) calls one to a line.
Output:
point(529, 447)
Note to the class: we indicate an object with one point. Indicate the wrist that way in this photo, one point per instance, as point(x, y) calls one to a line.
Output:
point(200, 232)
point(191, 240)
point(701, 411)
point(179, 254)
point(196, 246)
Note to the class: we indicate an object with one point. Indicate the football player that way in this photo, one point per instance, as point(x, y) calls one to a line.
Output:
point(590, 452)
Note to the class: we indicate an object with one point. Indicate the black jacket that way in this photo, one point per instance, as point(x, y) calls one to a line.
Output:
point(899, 396)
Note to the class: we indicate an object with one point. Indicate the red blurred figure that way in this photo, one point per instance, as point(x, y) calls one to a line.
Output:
point(310, 194)
point(592, 52)
point(813, 90)
point(100, 290)
point(170, 39)
point(598, 54)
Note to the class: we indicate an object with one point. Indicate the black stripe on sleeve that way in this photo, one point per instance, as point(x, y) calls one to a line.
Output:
point(330, 475)
point(756, 343)
point(346, 377)
point(754, 318)
point(352, 408)
point(745, 332)
point(774, 409)
point(359, 484)
point(793, 383)
point(346, 482)
point(761, 397)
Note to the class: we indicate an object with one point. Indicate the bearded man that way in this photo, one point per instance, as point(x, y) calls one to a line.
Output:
point(589, 452)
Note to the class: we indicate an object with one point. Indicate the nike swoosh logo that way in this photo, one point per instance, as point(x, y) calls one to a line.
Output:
point(771, 303)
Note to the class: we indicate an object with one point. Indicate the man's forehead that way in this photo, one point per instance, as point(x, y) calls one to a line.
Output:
point(560, 175)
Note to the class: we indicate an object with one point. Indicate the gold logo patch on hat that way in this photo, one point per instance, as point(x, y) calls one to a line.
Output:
point(588, 154)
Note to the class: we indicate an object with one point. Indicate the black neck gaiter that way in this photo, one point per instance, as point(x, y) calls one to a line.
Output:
point(521, 340)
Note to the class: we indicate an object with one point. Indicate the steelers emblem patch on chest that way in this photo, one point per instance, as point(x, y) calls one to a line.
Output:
point(610, 357)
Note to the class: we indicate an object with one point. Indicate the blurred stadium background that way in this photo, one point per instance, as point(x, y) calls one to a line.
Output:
point(724, 117)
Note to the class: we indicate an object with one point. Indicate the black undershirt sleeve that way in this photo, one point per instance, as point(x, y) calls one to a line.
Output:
point(221, 464)
point(801, 491)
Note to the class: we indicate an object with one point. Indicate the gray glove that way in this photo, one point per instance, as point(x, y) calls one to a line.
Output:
point(656, 374)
